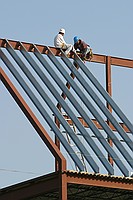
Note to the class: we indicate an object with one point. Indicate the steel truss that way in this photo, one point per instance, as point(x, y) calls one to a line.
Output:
point(65, 184)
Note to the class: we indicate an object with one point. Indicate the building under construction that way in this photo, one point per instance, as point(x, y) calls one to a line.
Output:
point(100, 147)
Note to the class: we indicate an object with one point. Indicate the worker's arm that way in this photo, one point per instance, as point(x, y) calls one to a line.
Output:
point(75, 46)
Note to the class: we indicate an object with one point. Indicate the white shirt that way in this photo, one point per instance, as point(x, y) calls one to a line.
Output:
point(59, 41)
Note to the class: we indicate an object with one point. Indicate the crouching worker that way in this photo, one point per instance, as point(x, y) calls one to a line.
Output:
point(59, 42)
point(84, 48)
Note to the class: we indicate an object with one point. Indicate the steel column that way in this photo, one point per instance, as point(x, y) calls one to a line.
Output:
point(63, 186)
point(109, 90)
point(57, 142)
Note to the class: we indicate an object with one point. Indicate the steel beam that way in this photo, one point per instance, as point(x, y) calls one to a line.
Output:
point(63, 186)
point(95, 112)
point(51, 105)
point(97, 124)
point(57, 142)
point(33, 120)
point(104, 93)
point(109, 90)
point(71, 98)
point(67, 109)
point(110, 182)
point(80, 110)
point(43, 49)
point(121, 62)
point(42, 110)
point(48, 184)
point(19, 47)
point(98, 102)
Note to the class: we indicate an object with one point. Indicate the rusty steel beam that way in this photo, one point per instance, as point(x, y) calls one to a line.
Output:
point(43, 49)
point(33, 120)
point(57, 142)
point(63, 186)
point(68, 84)
point(122, 62)
point(109, 90)
point(49, 184)
point(96, 123)
point(99, 181)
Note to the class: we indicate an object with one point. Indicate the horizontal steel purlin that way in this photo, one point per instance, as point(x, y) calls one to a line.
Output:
point(43, 49)
point(97, 124)
point(102, 181)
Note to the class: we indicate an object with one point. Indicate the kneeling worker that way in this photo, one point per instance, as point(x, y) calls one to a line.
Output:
point(84, 48)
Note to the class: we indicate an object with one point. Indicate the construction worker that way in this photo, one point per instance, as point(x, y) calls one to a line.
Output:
point(84, 48)
point(59, 42)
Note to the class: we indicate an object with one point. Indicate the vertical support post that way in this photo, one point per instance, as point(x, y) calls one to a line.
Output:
point(109, 90)
point(57, 141)
point(63, 186)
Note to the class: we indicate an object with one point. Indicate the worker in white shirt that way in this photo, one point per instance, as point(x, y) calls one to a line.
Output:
point(59, 42)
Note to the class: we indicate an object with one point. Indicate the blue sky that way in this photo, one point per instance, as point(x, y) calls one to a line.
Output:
point(106, 25)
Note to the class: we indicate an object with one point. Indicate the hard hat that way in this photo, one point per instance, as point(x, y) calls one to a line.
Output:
point(75, 39)
point(62, 30)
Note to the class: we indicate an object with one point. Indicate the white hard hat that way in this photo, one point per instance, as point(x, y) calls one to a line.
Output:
point(62, 30)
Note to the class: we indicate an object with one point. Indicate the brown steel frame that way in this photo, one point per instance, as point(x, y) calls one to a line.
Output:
point(109, 61)
point(62, 178)
point(49, 184)
point(36, 124)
